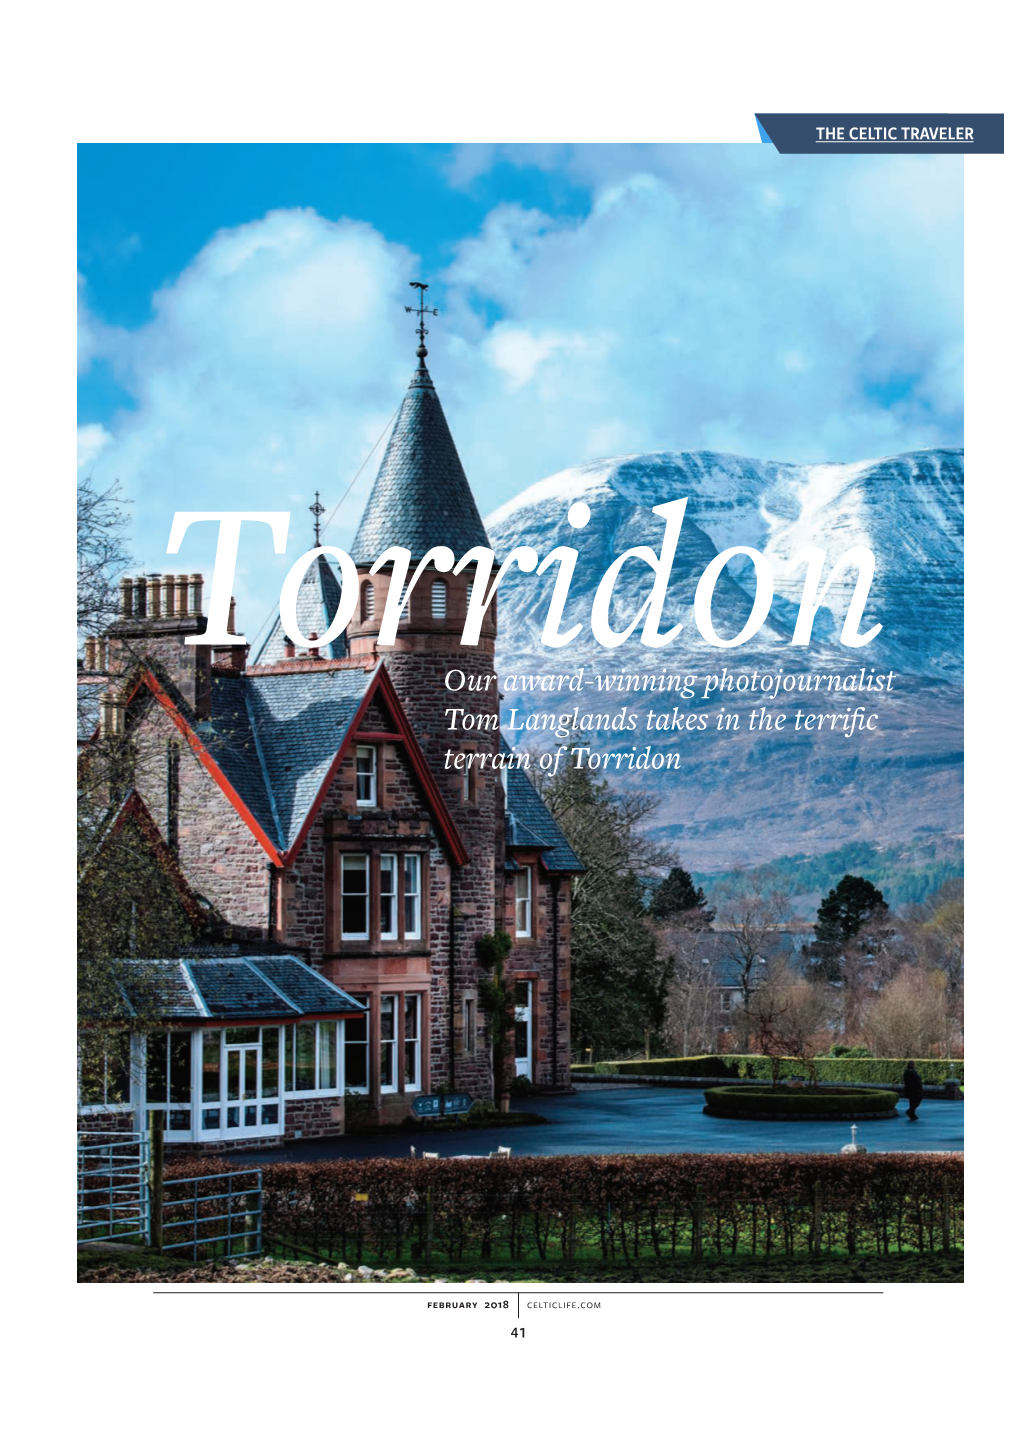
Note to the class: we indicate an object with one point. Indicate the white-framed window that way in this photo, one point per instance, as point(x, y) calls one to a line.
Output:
point(388, 1043)
point(311, 1058)
point(522, 901)
point(104, 1078)
point(412, 895)
point(727, 1001)
point(388, 877)
point(412, 1042)
point(367, 601)
point(365, 775)
point(168, 1077)
point(470, 1025)
point(439, 600)
point(354, 897)
point(356, 1049)
point(238, 1084)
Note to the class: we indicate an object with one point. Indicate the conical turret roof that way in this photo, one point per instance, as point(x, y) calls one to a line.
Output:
point(318, 599)
point(421, 497)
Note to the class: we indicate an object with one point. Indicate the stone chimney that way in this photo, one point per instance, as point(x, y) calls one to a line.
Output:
point(158, 615)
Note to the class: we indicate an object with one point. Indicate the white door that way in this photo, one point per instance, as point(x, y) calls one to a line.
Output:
point(522, 1029)
point(240, 1082)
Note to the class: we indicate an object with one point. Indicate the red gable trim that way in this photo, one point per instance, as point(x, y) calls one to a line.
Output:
point(447, 827)
point(207, 761)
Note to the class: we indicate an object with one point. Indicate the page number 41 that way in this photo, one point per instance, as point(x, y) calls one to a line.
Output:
point(517, 1332)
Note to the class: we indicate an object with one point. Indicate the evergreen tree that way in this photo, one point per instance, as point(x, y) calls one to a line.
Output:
point(676, 898)
point(618, 980)
point(852, 914)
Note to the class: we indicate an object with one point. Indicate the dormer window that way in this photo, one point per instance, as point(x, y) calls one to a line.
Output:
point(367, 601)
point(438, 600)
point(366, 778)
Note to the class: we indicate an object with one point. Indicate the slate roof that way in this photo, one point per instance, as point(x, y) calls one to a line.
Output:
point(421, 497)
point(275, 737)
point(529, 822)
point(234, 988)
point(317, 600)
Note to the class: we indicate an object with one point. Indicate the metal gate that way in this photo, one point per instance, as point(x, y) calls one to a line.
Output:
point(213, 1216)
point(113, 1186)
point(209, 1216)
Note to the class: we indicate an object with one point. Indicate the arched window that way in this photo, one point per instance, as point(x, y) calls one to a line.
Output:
point(367, 601)
point(438, 600)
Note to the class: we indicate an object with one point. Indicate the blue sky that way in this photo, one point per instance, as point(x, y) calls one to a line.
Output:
point(242, 340)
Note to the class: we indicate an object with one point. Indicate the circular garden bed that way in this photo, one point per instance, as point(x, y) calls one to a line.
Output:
point(800, 1104)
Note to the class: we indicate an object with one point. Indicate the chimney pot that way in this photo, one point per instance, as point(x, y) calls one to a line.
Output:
point(127, 593)
point(181, 596)
point(313, 651)
point(139, 586)
point(169, 592)
point(195, 594)
point(154, 586)
point(231, 616)
point(289, 649)
point(90, 654)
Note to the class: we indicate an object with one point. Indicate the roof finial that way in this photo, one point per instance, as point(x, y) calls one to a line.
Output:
point(317, 510)
point(421, 310)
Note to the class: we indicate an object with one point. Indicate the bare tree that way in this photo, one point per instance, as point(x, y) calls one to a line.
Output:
point(751, 909)
point(692, 995)
point(787, 1016)
point(911, 1016)
point(102, 554)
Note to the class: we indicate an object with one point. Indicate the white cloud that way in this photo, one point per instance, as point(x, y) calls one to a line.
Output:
point(718, 297)
point(92, 441)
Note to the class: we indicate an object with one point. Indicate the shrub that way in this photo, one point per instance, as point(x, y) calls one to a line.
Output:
point(798, 1102)
point(886, 1071)
point(623, 1207)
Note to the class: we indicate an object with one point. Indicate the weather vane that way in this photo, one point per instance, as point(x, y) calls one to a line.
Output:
point(421, 310)
point(317, 510)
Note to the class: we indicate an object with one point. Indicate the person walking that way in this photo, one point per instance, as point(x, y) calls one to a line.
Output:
point(913, 1087)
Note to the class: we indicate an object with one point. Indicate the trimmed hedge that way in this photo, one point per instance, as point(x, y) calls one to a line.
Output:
point(558, 1209)
point(784, 1102)
point(883, 1070)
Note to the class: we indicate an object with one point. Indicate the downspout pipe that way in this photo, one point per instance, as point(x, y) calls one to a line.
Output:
point(556, 981)
point(453, 993)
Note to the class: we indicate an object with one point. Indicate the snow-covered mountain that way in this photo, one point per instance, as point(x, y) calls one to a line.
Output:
point(749, 796)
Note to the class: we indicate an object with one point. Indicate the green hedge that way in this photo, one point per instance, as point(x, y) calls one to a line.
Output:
point(852, 1070)
point(801, 1101)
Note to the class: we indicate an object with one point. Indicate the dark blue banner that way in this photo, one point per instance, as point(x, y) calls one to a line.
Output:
point(858, 134)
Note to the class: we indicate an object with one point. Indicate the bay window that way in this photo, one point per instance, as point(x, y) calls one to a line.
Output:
point(398, 879)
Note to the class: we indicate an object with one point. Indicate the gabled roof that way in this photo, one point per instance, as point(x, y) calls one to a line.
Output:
point(530, 823)
point(132, 808)
point(318, 599)
point(421, 497)
point(275, 738)
point(232, 988)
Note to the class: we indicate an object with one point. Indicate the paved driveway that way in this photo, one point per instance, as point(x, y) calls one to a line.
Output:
point(617, 1118)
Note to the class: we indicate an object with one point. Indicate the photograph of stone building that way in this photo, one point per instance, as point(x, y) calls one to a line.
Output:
point(303, 803)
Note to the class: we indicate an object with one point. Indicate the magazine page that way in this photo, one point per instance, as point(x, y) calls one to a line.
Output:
point(520, 701)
